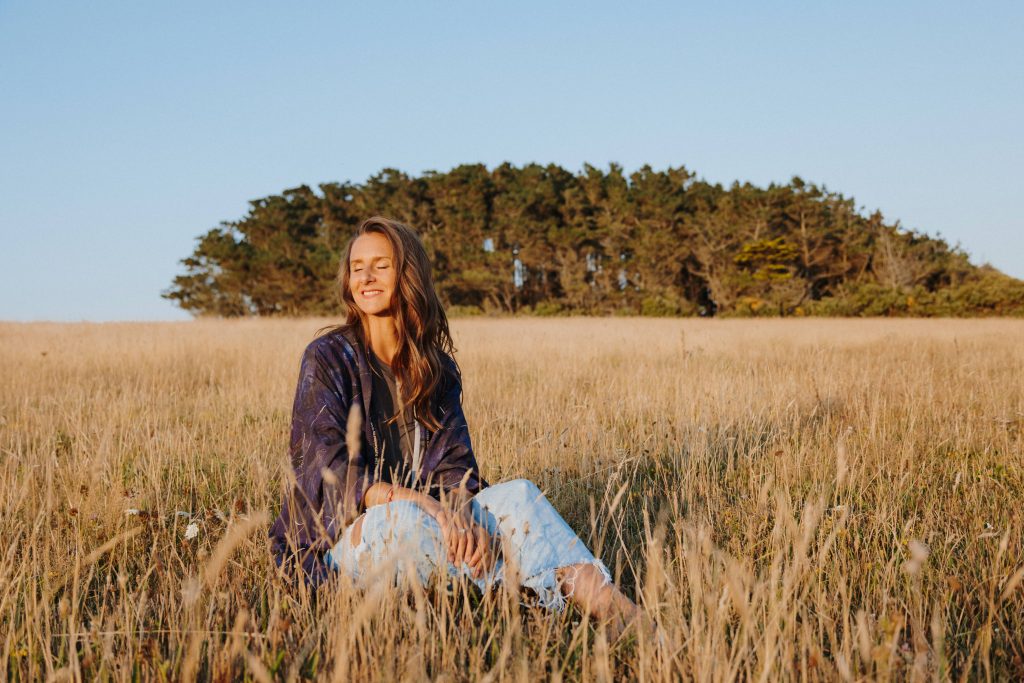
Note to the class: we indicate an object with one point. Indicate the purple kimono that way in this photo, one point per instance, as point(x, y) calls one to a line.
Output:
point(333, 374)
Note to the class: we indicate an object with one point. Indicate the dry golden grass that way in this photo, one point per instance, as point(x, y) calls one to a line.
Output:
point(835, 500)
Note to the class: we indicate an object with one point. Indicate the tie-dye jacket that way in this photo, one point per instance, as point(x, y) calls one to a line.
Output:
point(329, 485)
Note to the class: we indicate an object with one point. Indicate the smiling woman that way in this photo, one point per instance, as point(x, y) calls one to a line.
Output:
point(405, 490)
point(373, 277)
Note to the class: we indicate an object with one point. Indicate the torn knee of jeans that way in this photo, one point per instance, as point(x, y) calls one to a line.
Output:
point(567, 577)
point(357, 531)
point(594, 576)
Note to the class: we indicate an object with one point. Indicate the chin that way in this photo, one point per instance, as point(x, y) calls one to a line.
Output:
point(375, 308)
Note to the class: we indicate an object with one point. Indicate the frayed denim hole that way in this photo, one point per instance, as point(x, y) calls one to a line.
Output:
point(549, 589)
point(348, 558)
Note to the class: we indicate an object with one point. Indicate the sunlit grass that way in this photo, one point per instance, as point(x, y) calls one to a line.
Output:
point(787, 499)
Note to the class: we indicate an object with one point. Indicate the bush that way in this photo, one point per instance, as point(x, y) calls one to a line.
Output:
point(752, 307)
point(458, 311)
point(659, 307)
point(988, 294)
point(547, 308)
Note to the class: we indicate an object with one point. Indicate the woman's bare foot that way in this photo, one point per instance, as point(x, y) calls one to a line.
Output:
point(585, 586)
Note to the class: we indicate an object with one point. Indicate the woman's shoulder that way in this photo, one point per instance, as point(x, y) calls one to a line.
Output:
point(337, 346)
point(451, 374)
point(448, 363)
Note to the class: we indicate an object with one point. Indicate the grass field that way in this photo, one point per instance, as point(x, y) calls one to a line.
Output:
point(789, 500)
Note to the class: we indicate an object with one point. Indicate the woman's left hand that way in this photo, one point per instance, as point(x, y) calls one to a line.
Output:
point(466, 541)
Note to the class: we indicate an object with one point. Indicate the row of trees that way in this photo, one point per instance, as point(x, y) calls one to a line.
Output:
point(544, 240)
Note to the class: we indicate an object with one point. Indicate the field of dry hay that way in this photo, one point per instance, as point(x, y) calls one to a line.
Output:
point(836, 500)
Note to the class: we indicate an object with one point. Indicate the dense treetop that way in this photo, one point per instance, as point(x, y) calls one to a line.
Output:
point(543, 240)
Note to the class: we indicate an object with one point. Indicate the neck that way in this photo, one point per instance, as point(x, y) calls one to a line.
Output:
point(381, 336)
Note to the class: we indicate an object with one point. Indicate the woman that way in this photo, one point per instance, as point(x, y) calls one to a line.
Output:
point(407, 490)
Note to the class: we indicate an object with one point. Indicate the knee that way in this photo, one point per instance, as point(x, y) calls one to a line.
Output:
point(397, 536)
point(401, 520)
point(402, 514)
point(521, 489)
point(514, 492)
point(355, 532)
point(509, 498)
point(588, 576)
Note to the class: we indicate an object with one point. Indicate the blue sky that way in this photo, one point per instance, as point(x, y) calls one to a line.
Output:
point(127, 129)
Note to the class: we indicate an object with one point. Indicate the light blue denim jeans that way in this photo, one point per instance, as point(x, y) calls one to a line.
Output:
point(535, 539)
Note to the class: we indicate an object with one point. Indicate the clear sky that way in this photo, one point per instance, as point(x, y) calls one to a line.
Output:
point(129, 128)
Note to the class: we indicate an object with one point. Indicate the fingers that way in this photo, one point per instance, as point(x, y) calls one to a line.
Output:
point(464, 543)
point(454, 539)
point(453, 555)
point(491, 555)
point(452, 536)
point(471, 544)
point(493, 549)
point(478, 554)
point(485, 557)
point(480, 560)
point(450, 526)
point(467, 542)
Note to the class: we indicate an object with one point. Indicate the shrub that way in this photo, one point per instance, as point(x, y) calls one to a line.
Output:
point(547, 308)
point(458, 311)
point(659, 306)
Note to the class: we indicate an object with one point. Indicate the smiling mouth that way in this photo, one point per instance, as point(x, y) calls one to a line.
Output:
point(369, 293)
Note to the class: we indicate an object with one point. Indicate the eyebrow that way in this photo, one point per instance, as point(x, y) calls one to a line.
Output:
point(375, 258)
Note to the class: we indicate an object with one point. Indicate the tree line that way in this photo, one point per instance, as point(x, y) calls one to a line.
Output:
point(546, 241)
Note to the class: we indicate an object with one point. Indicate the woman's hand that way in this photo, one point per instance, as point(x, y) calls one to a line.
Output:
point(466, 541)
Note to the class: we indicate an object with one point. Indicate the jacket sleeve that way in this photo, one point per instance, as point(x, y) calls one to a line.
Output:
point(450, 457)
point(329, 486)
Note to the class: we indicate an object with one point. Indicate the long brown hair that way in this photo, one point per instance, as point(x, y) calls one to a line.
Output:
point(423, 335)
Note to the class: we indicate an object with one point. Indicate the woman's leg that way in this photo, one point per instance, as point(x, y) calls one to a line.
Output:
point(386, 540)
point(545, 551)
point(550, 557)
point(588, 589)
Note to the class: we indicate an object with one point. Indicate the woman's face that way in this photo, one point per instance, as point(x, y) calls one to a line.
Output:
point(371, 273)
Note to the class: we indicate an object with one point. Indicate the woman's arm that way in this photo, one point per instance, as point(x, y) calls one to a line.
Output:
point(382, 492)
point(456, 499)
point(450, 460)
point(329, 482)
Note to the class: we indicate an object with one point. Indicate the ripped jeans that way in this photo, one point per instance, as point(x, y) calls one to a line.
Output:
point(533, 536)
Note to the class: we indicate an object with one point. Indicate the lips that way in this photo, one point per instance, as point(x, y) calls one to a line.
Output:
point(370, 293)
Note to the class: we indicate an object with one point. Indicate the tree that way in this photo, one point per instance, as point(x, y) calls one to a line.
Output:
point(539, 238)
